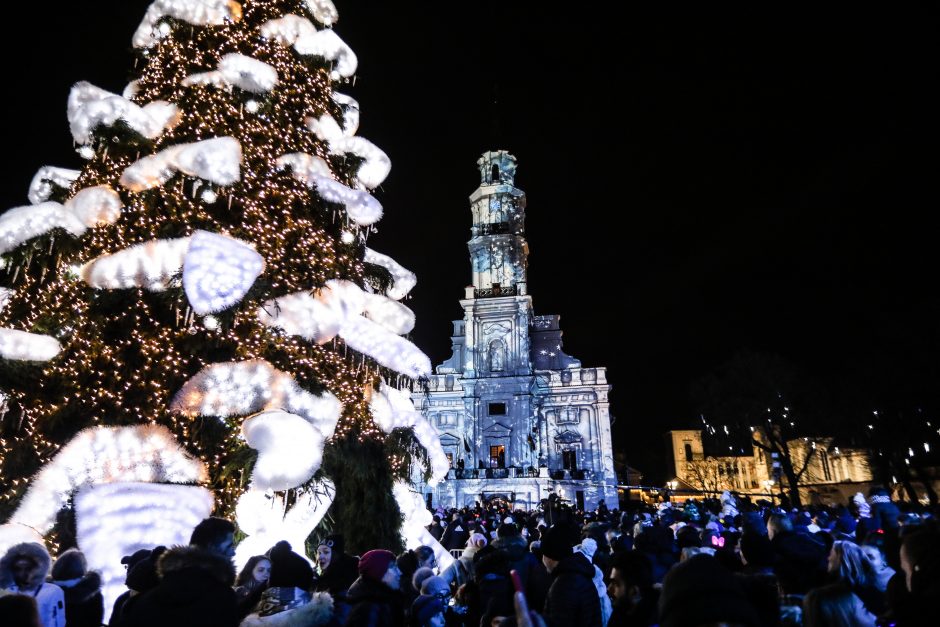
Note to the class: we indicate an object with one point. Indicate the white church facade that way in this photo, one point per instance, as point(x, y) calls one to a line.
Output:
point(518, 419)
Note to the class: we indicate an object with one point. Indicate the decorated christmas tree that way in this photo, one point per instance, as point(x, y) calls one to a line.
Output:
point(199, 305)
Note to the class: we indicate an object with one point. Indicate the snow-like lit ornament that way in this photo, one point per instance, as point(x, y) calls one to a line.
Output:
point(304, 167)
point(300, 33)
point(218, 271)
point(150, 265)
point(131, 89)
point(389, 313)
point(209, 196)
point(375, 166)
point(403, 280)
point(210, 322)
point(288, 29)
point(347, 238)
point(196, 12)
point(350, 113)
point(385, 347)
point(414, 528)
point(90, 107)
point(14, 533)
point(215, 160)
point(240, 71)
point(144, 453)
point(361, 207)
point(323, 11)
point(392, 409)
point(266, 519)
point(47, 179)
point(86, 152)
point(22, 346)
point(248, 387)
point(118, 519)
point(289, 449)
point(252, 106)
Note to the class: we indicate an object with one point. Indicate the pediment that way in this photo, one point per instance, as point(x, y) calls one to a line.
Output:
point(498, 429)
point(449, 440)
point(568, 437)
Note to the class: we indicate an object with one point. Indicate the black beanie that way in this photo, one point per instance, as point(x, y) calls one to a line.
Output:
point(701, 591)
point(70, 565)
point(558, 542)
point(757, 550)
point(142, 576)
point(289, 570)
point(335, 542)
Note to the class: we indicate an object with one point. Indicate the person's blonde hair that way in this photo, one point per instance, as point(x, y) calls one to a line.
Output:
point(854, 567)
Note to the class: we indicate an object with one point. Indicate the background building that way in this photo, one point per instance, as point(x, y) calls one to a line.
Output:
point(519, 419)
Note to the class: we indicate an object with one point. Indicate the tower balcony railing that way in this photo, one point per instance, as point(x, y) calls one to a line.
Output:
point(496, 291)
point(492, 228)
point(510, 472)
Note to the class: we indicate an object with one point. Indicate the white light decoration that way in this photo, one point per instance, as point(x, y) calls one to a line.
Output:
point(360, 206)
point(144, 453)
point(262, 516)
point(88, 208)
point(239, 71)
point(301, 314)
point(303, 36)
point(323, 11)
point(417, 518)
point(392, 409)
point(303, 166)
point(350, 113)
point(150, 265)
point(389, 313)
point(120, 518)
point(403, 281)
point(47, 179)
point(289, 449)
point(218, 271)
point(22, 346)
point(5, 295)
point(90, 107)
point(248, 387)
point(131, 89)
point(375, 166)
point(216, 160)
point(325, 127)
point(14, 533)
point(196, 12)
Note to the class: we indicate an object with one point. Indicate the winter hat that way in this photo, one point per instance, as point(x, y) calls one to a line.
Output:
point(133, 558)
point(70, 565)
point(289, 570)
point(334, 541)
point(757, 550)
point(435, 585)
point(701, 591)
point(421, 575)
point(373, 564)
point(864, 509)
point(557, 542)
point(477, 539)
point(426, 607)
point(142, 576)
point(507, 530)
point(588, 547)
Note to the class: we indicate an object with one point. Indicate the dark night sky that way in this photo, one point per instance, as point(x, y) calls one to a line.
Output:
point(697, 183)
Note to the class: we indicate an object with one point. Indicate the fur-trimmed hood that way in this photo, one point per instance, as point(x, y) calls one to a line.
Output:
point(82, 589)
point(181, 558)
point(318, 612)
point(32, 550)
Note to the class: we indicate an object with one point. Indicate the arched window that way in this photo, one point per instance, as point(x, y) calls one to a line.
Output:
point(688, 452)
point(497, 356)
point(495, 175)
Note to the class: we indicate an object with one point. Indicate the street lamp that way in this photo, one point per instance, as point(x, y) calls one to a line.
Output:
point(768, 485)
point(672, 485)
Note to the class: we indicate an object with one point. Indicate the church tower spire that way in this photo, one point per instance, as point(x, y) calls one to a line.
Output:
point(498, 249)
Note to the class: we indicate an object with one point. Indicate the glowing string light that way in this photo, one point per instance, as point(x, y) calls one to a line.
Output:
point(216, 160)
point(197, 12)
point(403, 281)
point(47, 179)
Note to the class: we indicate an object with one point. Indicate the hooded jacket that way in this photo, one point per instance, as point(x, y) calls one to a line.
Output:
point(84, 604)
point(317, 612)
point(374, 605)
point(534, 577)
point(195, 590)
point(572, 598)
point(49, 597)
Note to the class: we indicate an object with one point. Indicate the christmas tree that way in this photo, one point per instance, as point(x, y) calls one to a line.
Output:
point(205, 282)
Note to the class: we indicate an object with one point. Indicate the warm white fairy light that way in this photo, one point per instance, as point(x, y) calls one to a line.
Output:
point(265, 518)
point(22, 346)
point(403, 281)
point(416, 519)
point(145, 453)
point(248, 387)
point(240, 71)
point(218, 271)
point(118, 519)
point(303, 166)
point(216, 160)
point(197, 12)
point(150, 265)
point(90, 107)
point(47, 179)
point(289, 449)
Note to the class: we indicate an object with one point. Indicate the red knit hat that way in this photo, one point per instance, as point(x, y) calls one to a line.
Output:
point(373, 564)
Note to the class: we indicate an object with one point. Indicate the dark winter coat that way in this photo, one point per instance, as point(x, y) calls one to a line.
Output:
point(195, 590)
point(84, 604)
point(50, 599)
point(456, 535)
point(374, 605)
point(532, 573)
point(338, 577)
point(643, 614)
point(800, 561)
point(572, 598)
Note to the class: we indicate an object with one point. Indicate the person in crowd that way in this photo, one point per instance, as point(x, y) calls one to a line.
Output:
point(23, 569)
point(758, 579)
point(456, 534)
point(572, 599)
point(588, 548)
point(834, 605)
point(84, 603)
point(251, 582)
point(141, 577)
point(461, 570)
point(430, 607)
point(375, 597)
point(288, 600)
point(19, 610)
point(216, 535)
point(195, 584)
point(920, 575)
point(436, 529)
point(532, 573)
point(634, 599)
point(493, 586)
point(850, 566)
point(337, 572)
point(800, 561)
point(883, 573)
point(700, 591)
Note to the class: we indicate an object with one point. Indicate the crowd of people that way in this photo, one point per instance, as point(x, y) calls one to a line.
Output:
point(700, 562)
